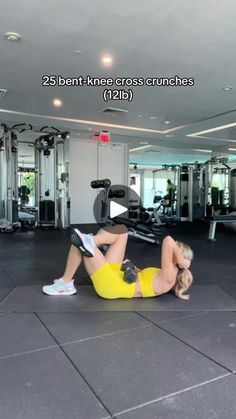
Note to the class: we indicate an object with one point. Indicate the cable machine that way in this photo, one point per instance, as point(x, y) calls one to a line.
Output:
point(191, 203)
point(203, 189)
point(217, 185)
point(232, 193)
point(167, 203)
point(52, 179)
point(51, 174)
point(8, 181)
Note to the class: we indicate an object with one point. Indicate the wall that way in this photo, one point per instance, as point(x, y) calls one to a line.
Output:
point(89, 161)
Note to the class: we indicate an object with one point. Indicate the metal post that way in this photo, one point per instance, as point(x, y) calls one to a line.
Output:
point(37, 182)
point(212, 230)
point(178, 193)
point(55, 182)
point(3, 180)
point(12, 185)
point(190, 193)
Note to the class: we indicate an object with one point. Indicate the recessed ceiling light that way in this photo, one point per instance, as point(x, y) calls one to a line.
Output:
point(12, 36)
point(232, 149)
point(167, 122)
point(169, 135)
point(107, 59)
point(140, 116)
point(57, 102)
point(143, 142)
point(78, 51)
point(139, 148)
point(152, 117)
point(202, 151)
point(218, 128)
point(227, 88)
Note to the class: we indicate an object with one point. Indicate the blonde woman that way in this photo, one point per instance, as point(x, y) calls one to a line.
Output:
point(107, 276)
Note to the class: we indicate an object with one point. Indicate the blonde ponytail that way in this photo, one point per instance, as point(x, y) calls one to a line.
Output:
point(184, 277)
point(183, 281)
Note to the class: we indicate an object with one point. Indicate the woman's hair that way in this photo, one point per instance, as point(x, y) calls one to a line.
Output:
point(184, 277)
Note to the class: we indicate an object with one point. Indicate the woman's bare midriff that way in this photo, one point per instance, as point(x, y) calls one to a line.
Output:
point(138, 292)
point(159, 284)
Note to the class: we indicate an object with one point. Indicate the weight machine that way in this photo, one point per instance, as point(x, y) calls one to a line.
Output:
point(217, 190)
point(52, 178)
point(51, 173)
point(203, 188)
point(166, 204)
point(191, 203)
point(8, 182)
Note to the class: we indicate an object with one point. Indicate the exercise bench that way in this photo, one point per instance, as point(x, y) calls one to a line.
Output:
point(218, 219)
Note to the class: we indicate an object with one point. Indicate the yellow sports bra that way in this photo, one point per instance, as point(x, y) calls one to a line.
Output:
point(146, 277)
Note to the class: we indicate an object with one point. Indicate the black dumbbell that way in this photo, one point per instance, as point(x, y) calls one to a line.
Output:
point(130, 275)
point(104, 183)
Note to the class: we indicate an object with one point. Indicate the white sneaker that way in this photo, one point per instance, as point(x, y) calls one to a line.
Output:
point(59, 287)
point(84, 242)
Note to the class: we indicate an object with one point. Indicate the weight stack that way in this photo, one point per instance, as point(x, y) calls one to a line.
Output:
point(47, 211)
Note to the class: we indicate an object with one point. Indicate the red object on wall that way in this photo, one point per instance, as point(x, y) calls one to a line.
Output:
point(104, 136)
point(101, 136)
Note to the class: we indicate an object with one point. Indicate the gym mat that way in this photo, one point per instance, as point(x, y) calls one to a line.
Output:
point(31, 298)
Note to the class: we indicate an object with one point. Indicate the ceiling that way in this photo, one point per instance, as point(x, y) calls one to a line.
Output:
point(146, 40)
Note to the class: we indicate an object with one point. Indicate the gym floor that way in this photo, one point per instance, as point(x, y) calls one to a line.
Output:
point(82, 357)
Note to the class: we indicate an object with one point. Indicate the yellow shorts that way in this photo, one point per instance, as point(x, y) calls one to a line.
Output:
point(109, 283)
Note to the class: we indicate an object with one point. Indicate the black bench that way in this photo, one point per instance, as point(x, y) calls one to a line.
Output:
point(218, 219)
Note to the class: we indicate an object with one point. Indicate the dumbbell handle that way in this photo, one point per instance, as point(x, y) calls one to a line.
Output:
point(103, 183)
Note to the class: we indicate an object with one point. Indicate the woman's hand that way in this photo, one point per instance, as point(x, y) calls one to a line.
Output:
point(135, 267)
point(185, 264)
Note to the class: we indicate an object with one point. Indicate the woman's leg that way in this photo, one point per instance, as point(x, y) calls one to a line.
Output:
point(65, 284)
point(92, 264)
point(116, 237)
point(107, 281)
point(74, 259)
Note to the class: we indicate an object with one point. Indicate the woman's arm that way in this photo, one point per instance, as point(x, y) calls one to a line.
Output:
point(167, 252)
point(179, 259)
point(171, 261)
point(171, 258)
point(171, 254)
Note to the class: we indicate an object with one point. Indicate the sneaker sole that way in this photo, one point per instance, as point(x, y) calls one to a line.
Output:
point(76, 240)
point(60, 293)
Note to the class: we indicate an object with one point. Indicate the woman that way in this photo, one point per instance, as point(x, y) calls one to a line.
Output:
point(105, 271)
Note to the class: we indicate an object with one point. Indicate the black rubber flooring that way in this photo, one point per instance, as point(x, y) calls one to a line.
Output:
point(82, 357)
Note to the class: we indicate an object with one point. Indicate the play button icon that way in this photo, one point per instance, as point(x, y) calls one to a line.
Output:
point(114, 204)
point(116, 209)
